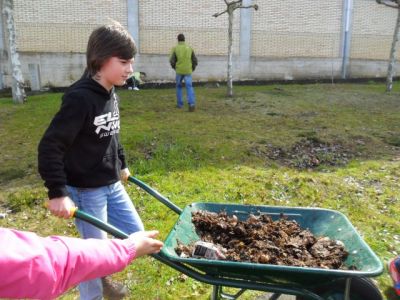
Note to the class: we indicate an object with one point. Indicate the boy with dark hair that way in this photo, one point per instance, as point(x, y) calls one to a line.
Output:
point(80, 155)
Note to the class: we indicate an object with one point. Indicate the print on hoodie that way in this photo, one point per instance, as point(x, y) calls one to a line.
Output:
point(109, 122)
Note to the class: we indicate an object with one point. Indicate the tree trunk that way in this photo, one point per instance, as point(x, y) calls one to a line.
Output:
point(18, 91)
point(230, 42)
point(392, 62)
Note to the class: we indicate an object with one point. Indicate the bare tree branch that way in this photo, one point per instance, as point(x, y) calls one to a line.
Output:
point(389, 3)
point(236, 2)
point(221, 13)
point(234, 5)
point(255, 6)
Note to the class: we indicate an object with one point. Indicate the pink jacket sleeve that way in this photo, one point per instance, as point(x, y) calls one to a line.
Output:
point(44, 268)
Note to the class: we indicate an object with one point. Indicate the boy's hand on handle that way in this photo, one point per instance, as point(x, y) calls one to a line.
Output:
point(145, 242)
point(62, 207)
point(125, 174)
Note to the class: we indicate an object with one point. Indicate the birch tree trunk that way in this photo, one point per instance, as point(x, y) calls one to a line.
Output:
point(392, 62)
point(18, 91)
point(230, 42)
point(230, 9)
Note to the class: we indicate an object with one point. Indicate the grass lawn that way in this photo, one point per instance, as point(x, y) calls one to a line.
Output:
point(318, 145)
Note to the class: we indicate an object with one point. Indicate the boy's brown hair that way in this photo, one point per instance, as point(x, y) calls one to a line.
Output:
point(105, 42)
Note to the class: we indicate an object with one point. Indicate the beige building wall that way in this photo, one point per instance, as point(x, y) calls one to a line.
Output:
point(161, 22)
point(299, 28)
point(62, 25)
point(288, 39)
point(373, 28)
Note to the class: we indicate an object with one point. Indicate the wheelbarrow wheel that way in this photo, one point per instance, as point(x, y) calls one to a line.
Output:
point(361, 289)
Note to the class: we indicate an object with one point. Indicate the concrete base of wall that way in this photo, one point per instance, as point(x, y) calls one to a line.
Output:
point(62, 69)
point(213, 68)
point(56, 70)
point(370, 69)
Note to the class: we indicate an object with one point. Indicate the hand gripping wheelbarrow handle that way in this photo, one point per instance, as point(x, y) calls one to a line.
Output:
point(164, 200)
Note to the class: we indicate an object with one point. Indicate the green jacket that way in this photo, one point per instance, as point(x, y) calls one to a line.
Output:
point(183, 59)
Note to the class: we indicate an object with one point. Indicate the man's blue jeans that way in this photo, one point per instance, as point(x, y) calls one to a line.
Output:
point(110, 204)
point(189, 90)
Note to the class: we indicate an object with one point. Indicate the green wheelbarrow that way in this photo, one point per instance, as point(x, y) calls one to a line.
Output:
point(304, 283)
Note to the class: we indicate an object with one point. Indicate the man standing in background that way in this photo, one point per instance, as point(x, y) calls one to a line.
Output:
point(184, 62)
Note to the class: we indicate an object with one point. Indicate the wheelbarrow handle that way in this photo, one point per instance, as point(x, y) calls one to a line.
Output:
point(79, 214)
point(164, 200)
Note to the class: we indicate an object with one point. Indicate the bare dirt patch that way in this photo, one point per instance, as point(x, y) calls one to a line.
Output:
point(308, 153)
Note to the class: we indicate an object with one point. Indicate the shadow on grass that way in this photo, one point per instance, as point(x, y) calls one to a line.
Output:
point(11, 174)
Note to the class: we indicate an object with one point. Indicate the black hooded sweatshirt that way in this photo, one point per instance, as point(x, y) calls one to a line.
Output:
point(81, 147)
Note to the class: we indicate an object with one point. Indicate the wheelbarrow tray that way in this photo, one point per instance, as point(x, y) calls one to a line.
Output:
point(321, 222)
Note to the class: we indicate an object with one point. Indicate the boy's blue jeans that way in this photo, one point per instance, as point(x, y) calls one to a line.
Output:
point(110, 204)
point(189, 90)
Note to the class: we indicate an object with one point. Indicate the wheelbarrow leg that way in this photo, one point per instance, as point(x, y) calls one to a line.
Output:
point(347, 289)
point(215, 292)
point(218, 294)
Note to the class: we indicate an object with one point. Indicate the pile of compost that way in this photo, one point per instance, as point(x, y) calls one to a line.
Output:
point(307, 154)
point(259, 239)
